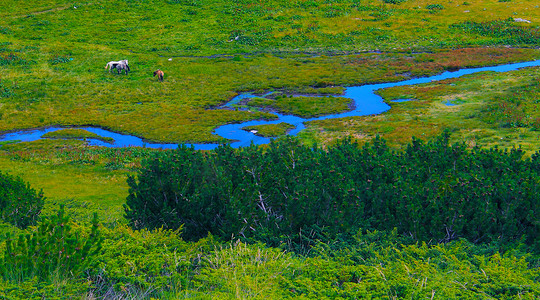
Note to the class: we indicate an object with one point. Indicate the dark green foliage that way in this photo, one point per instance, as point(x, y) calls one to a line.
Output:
point(506, 31)
point(58, 59)
point(50, 252)
point(12, 59)
point(290, 193)
point(5, 92)
point(394, 1)
point(434, 7)
point(20, 204)
point(378, 264)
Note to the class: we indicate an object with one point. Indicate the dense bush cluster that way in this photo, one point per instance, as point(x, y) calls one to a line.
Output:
point(20, 204)
point(52, 250)
point(430, 191)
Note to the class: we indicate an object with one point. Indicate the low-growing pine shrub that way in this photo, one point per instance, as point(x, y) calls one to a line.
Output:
point(50, 252)
point(288, 193)
point(20, 204)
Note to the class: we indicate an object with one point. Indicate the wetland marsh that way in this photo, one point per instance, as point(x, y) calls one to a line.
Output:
point(364, 101)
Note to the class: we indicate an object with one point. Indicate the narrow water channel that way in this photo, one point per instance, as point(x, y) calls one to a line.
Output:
point(366, 102)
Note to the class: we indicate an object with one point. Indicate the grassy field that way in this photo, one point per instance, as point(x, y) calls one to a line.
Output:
point(53, 54)
point(305, 107)
point(486, 109)
point(270, 130)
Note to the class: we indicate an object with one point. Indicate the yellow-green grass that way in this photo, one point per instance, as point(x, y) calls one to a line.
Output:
point(180, 109)
point(270, 130)
point(306, 107)
point(491, 109)
point(57, 75)
point(83, 189)
point(331, 90)
point(80, 179)
point(214, 26)
point(75, 133)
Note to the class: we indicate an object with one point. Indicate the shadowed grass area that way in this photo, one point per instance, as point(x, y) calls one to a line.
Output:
point(270, 130)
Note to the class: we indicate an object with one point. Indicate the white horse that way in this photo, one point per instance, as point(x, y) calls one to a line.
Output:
point(123, 66)
point(114, 64)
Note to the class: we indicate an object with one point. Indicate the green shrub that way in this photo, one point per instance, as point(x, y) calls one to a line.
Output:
point(394, 1)
point(12, 59)
point(145, 262)
point(291, 194)
point(35, 290)
point(50, 252)
point(20, 204)
point(434, 7)
point(59, 59)
point(368, 265)
point(6, 92)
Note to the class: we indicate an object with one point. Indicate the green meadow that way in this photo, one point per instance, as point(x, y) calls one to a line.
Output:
point(270, 130)
point(305, 53)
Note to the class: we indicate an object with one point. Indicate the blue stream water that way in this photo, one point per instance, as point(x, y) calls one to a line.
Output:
point(366, 102)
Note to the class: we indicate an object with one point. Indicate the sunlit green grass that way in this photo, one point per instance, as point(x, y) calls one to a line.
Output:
point(83, 189)
point(75, 133)
point(84, 179)
point(211, 49)
point(306, 107)
point(490, 109)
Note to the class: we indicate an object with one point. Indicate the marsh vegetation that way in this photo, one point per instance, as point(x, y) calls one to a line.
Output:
point(426, 200)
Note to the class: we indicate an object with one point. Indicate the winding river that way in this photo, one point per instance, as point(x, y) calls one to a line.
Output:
point(366, 102)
